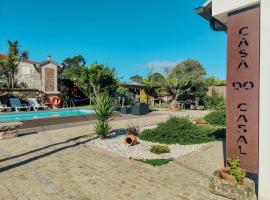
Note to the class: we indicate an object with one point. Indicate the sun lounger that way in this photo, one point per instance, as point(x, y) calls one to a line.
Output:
point(4, 107)
point(34, 103)
point(17, 105)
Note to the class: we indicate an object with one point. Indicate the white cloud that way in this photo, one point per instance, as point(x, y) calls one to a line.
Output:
point(159, 65)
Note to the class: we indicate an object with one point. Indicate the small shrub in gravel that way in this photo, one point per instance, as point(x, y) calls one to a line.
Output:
point(217, 118)
point(159, 149)
point(133, 130)
point(179, 130)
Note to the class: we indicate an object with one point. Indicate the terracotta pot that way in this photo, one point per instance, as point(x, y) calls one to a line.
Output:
point(224, 173)
point(202, 121)
point(131, 140)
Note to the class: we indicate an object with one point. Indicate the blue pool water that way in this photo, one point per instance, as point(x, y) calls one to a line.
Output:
point(20, 116)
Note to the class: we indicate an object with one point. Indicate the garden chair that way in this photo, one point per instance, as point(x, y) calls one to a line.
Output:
point(17, 105)
point(4, 107)
point(34, 103)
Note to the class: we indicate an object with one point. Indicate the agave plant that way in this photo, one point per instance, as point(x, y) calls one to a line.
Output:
point(104, 109)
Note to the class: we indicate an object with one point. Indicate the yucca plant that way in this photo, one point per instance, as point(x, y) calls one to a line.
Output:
point(102, 128)
point(104, 109)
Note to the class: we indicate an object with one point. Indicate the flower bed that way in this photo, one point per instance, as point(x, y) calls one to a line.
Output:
point(115, 144)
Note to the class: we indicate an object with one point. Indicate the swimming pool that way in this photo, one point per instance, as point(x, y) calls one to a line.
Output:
point(11, 117)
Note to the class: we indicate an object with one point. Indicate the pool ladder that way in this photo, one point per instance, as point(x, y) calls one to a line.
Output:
point(69, 104)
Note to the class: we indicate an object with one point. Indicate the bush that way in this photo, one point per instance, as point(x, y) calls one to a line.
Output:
point(217, 118)
point(159, 149)
point(179, 131)
point(214, 102)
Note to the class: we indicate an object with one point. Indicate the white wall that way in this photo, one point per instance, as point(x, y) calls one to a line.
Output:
point(264, 137)
point(220, 8)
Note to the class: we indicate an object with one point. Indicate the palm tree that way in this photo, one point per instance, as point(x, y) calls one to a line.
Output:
point(9, 65)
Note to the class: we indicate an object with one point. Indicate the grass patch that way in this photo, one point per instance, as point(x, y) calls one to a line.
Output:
point(159, 149)
point(179, 130)
point(155, 162)
point(217, 118)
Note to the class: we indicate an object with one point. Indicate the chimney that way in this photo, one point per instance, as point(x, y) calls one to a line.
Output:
point(49, 57)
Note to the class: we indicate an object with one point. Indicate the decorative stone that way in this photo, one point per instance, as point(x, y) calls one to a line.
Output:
point(8, 134)
point(231, 190)
point(10, 125)
point(9, 129)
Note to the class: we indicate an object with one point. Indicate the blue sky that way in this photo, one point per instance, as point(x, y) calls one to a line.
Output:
point(132, 36)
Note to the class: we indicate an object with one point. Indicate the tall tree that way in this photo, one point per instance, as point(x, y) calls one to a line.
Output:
point(73, 68)
point(97, 79)
point(136, 78)
point(157, 78)
point(9, 64)
point(102, 79)
point(184, 76)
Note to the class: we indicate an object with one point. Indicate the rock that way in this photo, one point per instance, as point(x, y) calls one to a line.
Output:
point(232, 190)
point(10, 126)
point(8, 134)
point(9, 129)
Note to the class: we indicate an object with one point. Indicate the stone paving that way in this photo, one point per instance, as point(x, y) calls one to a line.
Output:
point(49, 165)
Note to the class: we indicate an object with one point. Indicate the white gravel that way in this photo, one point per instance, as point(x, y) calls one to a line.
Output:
point(115, 144)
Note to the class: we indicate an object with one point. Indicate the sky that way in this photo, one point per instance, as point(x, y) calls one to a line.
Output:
point(134, 36)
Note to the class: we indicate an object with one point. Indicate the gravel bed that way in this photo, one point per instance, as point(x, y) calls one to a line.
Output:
point(115, 144)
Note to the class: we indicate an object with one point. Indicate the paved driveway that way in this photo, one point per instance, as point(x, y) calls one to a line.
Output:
point(50, 165)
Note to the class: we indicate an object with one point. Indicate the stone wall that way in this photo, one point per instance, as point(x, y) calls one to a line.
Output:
point(22, 94)
point(28, 76)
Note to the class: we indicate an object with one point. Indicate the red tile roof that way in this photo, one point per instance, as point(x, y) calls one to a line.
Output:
point(3, 56)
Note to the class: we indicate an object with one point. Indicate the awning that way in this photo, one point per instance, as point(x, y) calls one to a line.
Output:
point(205, 11)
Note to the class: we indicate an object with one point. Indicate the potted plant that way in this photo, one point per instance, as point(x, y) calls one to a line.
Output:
point(233, 172)
point(231, 182)
point(125, 109)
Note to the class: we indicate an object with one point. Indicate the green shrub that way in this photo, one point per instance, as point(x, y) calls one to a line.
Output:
point(155, 162)
point(159, 149)
point(104, 109)
point(214, 102)
point(217, 118)
point(179, 131)
point(235, 170)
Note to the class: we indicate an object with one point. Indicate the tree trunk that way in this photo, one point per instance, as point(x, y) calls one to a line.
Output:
point(12, 83)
